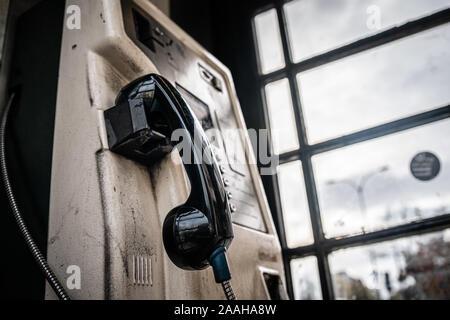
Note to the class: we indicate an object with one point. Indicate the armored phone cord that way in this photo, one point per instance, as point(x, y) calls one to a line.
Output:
point(37, 255)
point(228, 290)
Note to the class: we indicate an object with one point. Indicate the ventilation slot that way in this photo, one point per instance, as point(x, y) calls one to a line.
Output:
point(142, 270)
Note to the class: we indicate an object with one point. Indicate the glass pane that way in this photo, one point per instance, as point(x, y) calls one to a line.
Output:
point(370, 186)
point(294, 204)
point(305, 279)
point(410, 268)
point(384, 84)
point(317, 26)
point(281, 116)
point(268, 38)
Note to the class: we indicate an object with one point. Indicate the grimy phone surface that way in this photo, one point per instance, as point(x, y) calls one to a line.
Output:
point(106, 212)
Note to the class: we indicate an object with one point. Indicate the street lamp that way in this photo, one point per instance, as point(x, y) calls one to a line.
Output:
point(359, 189)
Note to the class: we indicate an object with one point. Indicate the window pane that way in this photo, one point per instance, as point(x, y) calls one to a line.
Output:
point(369, 186)
point(294, 204)
point(317, 26)
point(268, 38)
point(281, 115)
point(410, 268)
point(384, 84)
point(305, 279)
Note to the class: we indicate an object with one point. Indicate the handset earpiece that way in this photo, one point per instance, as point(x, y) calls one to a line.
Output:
point(185, 230)
point(140, 126)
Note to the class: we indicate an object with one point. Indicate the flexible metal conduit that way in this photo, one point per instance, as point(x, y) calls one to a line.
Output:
point(37, 255)
point(228, 290)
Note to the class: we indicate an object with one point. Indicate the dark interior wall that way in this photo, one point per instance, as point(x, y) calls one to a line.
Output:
point(225, 29)
point(29, 143)
point(195, 17)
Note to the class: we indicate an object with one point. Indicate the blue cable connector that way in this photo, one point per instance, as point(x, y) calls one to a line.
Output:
point(219, 262)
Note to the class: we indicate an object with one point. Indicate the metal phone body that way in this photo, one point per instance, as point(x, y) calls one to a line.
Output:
point(106, 211)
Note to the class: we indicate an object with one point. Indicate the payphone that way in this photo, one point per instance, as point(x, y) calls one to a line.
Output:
point(135, 219)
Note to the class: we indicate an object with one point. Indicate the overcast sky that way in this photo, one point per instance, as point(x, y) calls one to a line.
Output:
point(396, 80)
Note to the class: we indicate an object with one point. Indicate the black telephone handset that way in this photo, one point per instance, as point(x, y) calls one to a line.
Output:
point(140, 127)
